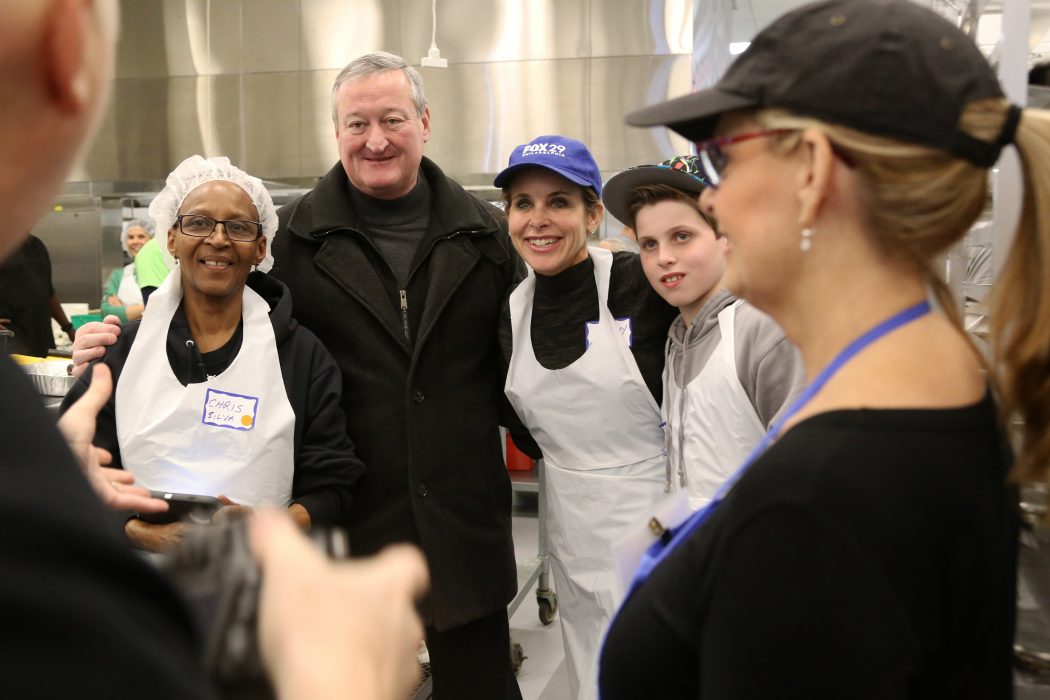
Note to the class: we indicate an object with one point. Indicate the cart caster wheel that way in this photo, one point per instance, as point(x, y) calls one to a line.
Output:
point(517, 657)
point(548, 607)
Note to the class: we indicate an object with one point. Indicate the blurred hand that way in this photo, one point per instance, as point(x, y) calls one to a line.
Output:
point(336, 629)
point(114, 486)
point(154, 538)
point(114, 300)
point(230, 510)
point(92, 340)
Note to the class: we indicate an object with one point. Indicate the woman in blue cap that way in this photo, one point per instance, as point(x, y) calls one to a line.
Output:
point(584, 341)
point(868, 548)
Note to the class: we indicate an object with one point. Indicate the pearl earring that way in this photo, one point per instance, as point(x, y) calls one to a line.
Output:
point(806, 243)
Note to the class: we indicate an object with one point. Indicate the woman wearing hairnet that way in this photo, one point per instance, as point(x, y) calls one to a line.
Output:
point(219, 391)
point(122, 296)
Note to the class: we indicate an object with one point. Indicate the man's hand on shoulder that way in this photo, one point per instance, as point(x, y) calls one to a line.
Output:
point(92, 340)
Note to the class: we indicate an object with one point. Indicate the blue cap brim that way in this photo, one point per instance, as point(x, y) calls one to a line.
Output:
point(507, 174)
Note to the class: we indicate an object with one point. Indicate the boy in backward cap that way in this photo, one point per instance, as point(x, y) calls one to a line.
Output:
point(729, 370)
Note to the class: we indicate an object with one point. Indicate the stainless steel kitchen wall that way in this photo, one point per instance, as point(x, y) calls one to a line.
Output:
point(250, 79)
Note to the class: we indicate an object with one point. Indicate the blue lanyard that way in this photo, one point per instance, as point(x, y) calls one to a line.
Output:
point(659, 550)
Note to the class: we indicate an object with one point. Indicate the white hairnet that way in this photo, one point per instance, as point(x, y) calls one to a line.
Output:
point(194, 172)
point(144, 224)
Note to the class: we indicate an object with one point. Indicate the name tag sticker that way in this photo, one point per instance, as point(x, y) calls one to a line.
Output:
point(225, 410)
point(623, 325)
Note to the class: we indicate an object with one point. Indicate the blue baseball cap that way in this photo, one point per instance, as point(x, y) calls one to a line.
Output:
point(567, 157)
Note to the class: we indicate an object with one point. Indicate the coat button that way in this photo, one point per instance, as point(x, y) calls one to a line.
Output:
point(422, 490)
point(417, 396)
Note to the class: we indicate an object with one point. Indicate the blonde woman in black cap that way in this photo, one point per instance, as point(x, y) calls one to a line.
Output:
point(583, 337)
point(867, 549)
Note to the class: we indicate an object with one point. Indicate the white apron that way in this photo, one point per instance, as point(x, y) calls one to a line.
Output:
point(712, 425)
point(603, 447)
point(129, 292)
point(232, 435)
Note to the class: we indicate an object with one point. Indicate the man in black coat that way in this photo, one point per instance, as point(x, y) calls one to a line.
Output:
point(400, 273)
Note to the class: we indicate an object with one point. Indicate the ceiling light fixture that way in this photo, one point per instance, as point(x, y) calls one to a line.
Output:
point(433, 58)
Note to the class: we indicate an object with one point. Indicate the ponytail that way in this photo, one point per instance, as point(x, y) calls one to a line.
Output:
point(1020, 318)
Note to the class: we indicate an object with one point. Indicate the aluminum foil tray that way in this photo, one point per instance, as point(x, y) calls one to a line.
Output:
point(50, 378)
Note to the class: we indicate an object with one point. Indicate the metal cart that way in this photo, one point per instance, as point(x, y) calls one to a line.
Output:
point(1032, 636)
point(538, 569)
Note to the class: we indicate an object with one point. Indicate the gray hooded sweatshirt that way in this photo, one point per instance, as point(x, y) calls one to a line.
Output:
point(768, 364)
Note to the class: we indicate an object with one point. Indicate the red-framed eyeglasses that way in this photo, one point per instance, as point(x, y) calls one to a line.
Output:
point(713, 159)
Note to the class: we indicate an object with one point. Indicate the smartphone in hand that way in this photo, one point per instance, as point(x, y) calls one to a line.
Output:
point(188, 507)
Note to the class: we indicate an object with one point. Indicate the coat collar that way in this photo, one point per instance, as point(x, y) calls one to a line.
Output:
point(329, 206)
point(329, 209)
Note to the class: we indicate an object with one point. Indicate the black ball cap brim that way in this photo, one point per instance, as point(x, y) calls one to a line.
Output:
point(619, 187)
point(693, 116)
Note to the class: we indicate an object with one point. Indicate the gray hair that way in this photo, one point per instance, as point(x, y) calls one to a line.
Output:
point(144, 224)
point(379, 62)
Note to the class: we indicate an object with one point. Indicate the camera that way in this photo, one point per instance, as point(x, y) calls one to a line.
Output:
point(214, 569)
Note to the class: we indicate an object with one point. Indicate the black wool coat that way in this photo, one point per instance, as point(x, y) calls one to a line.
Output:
point(422, 404)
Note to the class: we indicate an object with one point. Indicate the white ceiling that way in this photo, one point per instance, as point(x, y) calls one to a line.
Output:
point(750, 16)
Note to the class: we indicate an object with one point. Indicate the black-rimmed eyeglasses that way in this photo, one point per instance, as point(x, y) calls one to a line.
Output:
point(203, 226)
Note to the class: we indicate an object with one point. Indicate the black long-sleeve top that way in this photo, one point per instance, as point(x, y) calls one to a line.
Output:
point(83, 615)
point(566, 302)
point(867, 554)
point(326, 466)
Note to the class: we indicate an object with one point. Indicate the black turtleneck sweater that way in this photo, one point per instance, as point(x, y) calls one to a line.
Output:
point(566, 302)
point(395, 226)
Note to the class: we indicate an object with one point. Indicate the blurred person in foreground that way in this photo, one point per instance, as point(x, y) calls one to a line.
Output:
point(868, 547)
point(83, 614)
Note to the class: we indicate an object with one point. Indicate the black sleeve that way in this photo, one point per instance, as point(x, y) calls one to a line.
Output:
point(45, 266)
point(83, 615)
point(326, 465)
point(106, 422)
point(631, 296)
point(797, 611)
point(508, 416)
point(146, 291)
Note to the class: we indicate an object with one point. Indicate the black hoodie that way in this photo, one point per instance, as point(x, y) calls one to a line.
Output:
point(326, 466)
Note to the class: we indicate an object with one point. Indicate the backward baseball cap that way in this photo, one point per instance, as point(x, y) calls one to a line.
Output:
point(884, 67)
point(681, 172)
